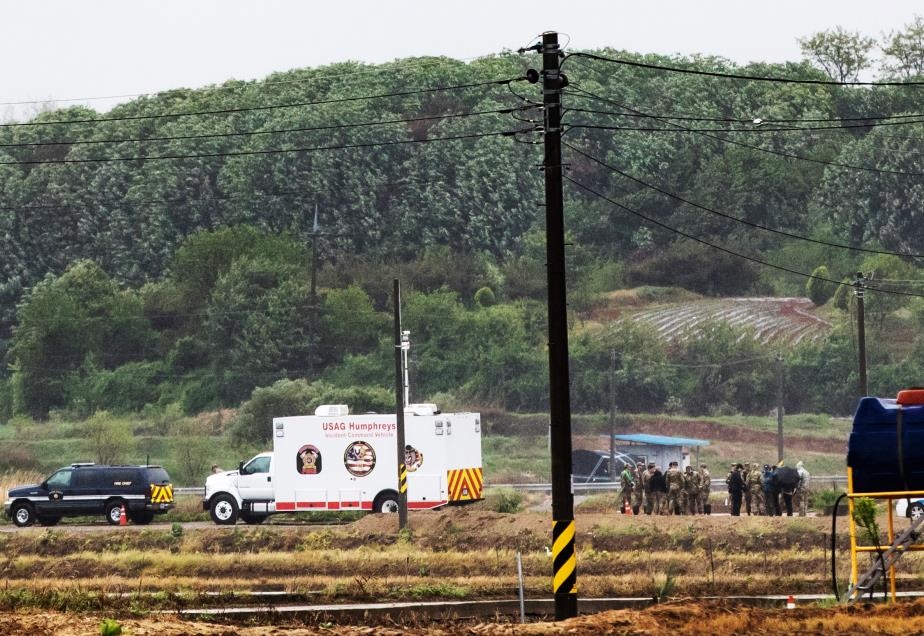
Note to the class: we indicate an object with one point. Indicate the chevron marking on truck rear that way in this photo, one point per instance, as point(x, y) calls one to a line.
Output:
point(465, 484)
point(161, 494)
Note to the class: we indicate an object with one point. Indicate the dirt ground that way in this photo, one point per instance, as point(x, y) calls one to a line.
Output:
point(714, 619)
point(476, 529)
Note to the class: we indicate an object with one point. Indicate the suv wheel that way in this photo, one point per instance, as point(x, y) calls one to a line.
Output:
point(915, 511)
point(114, 512)
point(142, 517)
point(224, 510)
point(23, 515)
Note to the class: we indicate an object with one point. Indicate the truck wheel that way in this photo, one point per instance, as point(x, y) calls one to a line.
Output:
point(23, 515)
point(386, 502)
point(114, 512)
point(252, 519)
point(224, 510)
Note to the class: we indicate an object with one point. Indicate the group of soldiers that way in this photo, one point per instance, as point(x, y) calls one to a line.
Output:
point(686, 492)
point(672, 492)
point(761, 489)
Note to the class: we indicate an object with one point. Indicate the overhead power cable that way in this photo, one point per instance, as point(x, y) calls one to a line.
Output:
point(751, 129)
point(384, 122)
point(268, 151)
point(247, 109)
point(322, 74)
point(732, 76)
point(753, 121)
point(719, 247)
point(730, 217)
point(788, 155)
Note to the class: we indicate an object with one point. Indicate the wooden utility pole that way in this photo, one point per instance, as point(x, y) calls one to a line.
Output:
point(399, 412)
point(779, 408)
point(564, 562)
point(861, 334)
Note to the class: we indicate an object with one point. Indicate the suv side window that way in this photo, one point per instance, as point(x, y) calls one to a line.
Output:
point(257, 465)
point(86, 478)
point(60, 480)
point(122, 477)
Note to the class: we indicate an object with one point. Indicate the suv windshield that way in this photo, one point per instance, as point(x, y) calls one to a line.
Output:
point(61, 479)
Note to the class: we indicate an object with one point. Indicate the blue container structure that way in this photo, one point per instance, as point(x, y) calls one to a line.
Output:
point(886, 448)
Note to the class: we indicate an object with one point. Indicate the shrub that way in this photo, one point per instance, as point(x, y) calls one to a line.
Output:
point(817, 288)
point(504, 500)
point(484, 297)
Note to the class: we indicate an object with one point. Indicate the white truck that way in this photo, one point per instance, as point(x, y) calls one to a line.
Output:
point(333, 460)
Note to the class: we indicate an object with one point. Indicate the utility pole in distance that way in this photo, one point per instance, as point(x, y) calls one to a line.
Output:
point(564, 561)
point(399, 411)
point(861, 334)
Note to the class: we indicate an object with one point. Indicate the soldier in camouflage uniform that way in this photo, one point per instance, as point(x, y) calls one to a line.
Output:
point(638, 495)
point(627, 482)
point(705, 485)
point(747, 492)
point(674, 479)
point(754, 486)
point(692, 481)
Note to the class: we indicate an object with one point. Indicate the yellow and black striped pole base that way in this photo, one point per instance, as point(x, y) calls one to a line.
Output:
point(564, 565)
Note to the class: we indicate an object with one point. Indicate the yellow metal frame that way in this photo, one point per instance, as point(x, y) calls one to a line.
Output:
point(854, 548)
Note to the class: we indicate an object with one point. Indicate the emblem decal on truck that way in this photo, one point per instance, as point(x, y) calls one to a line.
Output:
point(308, 460)
point(359, 459)
point(413, 458)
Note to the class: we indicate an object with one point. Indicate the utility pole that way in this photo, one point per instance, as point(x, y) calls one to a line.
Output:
point(564, 561)
point(399, 412)
point(861, 333)
point(313, 296)
point(612, 378)
point(779, 407)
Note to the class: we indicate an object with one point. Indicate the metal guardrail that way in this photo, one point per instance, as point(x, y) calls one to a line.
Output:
point(823, 482)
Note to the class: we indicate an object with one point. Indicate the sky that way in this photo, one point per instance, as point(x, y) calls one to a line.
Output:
point(82, 51)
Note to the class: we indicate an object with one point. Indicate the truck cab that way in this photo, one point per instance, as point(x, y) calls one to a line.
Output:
point(245, 492)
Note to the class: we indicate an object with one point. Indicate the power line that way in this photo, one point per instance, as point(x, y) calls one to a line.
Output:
point(734, 218)
point(778, 153)
point(754, 121)
point(497, 111)
point(245, 109)
point(268, 151)
point(323, 74)
point(734, 76)
point(753, 129)
point(719, 247)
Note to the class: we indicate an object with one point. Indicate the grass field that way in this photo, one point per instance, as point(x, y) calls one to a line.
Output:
point(515, 450)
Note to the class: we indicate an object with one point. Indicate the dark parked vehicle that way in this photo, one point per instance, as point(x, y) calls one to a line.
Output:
point(91, 489)
point(591, 466)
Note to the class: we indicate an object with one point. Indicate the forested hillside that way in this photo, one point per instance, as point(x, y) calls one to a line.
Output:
point(189, 247)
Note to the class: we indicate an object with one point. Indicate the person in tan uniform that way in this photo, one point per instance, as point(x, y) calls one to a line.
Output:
point(674, 479)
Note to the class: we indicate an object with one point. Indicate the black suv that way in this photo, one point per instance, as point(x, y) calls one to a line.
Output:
point(91, 489)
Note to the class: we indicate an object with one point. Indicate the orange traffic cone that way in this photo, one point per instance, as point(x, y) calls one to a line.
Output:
point(627, 509)
point(123, 518)
point(791, 602)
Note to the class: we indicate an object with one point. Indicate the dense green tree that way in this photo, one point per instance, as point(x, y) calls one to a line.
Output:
point(904, 50)
point(69, 324)
point(842, 54)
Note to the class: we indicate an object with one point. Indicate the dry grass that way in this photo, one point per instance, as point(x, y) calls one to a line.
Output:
point(11, 479)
